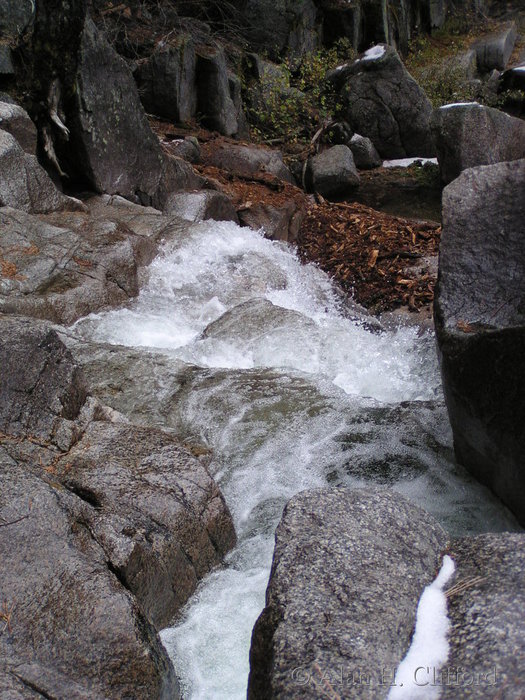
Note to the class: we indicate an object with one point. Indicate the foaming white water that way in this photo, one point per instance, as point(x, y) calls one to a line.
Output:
point(218, 268)
point(290, 394)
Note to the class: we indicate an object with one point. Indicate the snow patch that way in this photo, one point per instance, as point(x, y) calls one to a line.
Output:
point(459, 104)
point(405, 162)
point(429, 649)
point(372, 54)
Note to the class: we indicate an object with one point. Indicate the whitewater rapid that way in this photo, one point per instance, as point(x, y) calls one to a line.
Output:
point(291, 388)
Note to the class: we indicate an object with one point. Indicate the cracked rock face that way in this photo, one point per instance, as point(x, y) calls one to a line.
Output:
point(384, 103)
point(107, 528)
point(157, 512)
point(68, 265)
point(73, 631)
point(348, 570)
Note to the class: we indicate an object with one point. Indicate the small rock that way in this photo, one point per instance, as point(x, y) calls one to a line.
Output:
point(247, 161)
point(280, 223)
point(332, 172)
point(17, 122)
point(188, 149)
point(365, 155)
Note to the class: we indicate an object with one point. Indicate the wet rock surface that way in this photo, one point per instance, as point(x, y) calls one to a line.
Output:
point(341, 559)
point(201, 205)
point(480, 324)
point(487, 637)
point(278, 223)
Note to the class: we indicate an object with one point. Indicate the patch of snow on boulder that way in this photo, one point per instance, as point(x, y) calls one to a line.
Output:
point(373, 54)
point(406, 162)
point(429, 649)
point(459, 104)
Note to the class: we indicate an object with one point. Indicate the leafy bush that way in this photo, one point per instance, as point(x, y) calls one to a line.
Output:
point(289, 102)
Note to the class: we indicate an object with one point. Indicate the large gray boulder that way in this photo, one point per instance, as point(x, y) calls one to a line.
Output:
point(129, 505)
point(281, 27)
point(166, 80)
point(383, 102)
point(487, 635)
point(157, 513)
point(67, 265)
point(214, 101)
point(470, 134)
point(72, 630)
point(333, 172)
point(347, 573)
point(17, 122)
point(246, 161)
point(87, 109)
point(117, 150)
point(480, 324)
point(24, 184)
point(493, 51)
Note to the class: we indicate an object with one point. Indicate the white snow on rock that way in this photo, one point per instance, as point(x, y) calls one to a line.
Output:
point(372, 54)
point(459, 104)
point(417, 676)
point(405, 162)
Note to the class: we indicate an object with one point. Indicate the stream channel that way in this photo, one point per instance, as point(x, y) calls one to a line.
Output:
point(291, 389)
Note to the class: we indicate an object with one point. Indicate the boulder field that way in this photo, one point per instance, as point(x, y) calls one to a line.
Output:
point(108, 520)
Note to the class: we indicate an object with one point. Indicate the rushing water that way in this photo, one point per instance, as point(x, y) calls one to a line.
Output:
point(291, 391)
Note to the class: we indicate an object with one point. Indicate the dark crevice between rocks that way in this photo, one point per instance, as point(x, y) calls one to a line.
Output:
point(85, 495)
point(119, 575)
point(34, 687)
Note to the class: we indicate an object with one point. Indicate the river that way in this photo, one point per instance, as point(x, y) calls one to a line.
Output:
point(291, 389)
